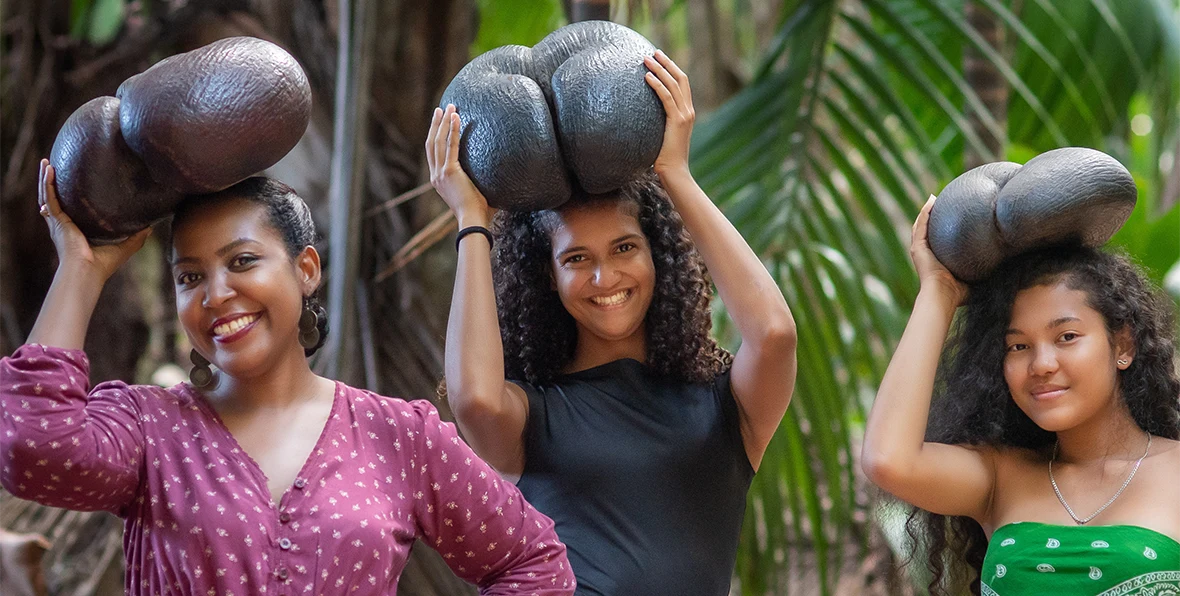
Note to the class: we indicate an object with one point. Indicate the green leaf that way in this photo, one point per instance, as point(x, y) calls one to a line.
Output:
point(519, 22)
point(106, 19)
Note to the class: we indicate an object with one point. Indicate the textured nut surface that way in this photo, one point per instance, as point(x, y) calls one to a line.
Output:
point(1002, 209)
point(1070, 194)
point(207, 119)
point(572, 110)
point(962, 231)
point(508, 144)
point(101, 184)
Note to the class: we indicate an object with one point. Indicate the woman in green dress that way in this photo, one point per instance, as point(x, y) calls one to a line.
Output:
point(1049, 460)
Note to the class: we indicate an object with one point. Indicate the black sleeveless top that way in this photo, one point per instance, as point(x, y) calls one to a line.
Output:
point(646, 478)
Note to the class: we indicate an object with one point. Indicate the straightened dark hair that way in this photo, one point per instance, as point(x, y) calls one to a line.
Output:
point(286, 212)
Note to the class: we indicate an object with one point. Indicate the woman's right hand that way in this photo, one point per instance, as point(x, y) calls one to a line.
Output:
point(73, 249)
point(447, 176)
point(932, 274)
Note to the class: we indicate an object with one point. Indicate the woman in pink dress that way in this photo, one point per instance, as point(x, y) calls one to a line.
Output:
point(259, 477)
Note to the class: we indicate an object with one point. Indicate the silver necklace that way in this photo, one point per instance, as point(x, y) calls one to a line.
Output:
point(1069, 510)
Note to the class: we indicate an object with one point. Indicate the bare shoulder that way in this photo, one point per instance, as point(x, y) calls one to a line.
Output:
point(1166, 451)
point(1011, 459)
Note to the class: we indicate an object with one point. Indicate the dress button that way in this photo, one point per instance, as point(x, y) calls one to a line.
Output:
point(285, 543)
point(282, 573)
point(284, 517)
point(300, 483)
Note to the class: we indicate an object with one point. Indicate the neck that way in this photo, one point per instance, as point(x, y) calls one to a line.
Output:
point(290, 381)
point(593, 351)
point(1110, 434)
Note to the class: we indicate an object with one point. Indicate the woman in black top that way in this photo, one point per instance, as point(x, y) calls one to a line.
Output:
point(623, 420)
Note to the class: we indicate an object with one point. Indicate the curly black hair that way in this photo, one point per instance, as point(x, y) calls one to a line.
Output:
point(539, 335)
point(975, 407)
point(286, 212)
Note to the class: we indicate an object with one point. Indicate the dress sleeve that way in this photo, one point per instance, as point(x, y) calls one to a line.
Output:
point(480, 524)
point(60, 446)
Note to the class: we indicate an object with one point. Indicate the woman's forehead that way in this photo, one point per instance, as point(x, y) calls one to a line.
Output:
point(210, 227)
point(1041, 305)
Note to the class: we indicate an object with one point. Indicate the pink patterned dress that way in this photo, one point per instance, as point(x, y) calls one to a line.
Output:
point(198, 515)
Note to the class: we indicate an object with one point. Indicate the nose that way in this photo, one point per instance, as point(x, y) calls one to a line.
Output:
point(1044, 361)
point(605, 275)
point(217, 291)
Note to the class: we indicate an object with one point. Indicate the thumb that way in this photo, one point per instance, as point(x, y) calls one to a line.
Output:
point(136, 241)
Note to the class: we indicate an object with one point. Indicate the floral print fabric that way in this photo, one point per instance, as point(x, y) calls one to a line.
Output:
point(199, 518)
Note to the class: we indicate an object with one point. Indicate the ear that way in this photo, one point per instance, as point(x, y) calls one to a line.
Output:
point(1124, 348)
point(308, 265)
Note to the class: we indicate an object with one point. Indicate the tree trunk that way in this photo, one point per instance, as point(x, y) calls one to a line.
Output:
point(587, 10)
point(987, 82)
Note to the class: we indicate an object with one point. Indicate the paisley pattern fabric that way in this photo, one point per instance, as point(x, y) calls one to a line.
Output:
point(1036, 558)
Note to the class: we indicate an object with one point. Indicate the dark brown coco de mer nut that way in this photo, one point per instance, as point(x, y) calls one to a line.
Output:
point(101, 184)
point(1002, 209)
point(207, 119)
point(572, 110)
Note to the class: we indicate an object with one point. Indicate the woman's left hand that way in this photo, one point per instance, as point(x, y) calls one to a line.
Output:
point(671, 85)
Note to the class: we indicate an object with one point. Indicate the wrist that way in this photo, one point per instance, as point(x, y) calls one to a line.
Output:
point(473, 217)
point(81, 272)
point(936, 295)
point(673, 173)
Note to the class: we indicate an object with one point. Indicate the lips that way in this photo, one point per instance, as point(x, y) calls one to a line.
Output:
point(1047, 392)
point(227, 329)
point(614, 299)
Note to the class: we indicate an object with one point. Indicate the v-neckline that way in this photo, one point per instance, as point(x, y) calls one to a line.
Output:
point(337, 397)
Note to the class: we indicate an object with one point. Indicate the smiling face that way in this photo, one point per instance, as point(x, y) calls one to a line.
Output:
point(239, 293)
point(602, 269)
point(1061, 363)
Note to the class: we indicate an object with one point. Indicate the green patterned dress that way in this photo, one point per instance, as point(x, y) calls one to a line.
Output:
point(1036, 558)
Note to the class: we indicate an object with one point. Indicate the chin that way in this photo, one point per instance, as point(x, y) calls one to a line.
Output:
point(1056, 421)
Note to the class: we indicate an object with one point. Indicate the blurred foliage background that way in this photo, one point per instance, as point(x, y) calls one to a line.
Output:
point(823, 126)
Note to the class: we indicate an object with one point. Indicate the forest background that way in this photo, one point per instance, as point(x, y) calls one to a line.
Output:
point(824, 125)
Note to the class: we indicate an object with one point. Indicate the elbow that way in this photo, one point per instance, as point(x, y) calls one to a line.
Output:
point(778, 334)
point(881, 468)
point(470, 406)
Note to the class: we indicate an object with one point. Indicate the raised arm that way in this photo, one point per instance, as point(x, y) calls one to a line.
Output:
point(491, 411)
point(480, 524)
point(944, 479)
point(58, 445)
point(763, 376)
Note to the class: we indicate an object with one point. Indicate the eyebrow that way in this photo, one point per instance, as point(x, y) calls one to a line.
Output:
point(1052, 324)
point(221, 252)
point(615, 241)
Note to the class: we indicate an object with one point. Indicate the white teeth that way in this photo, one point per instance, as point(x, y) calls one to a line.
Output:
point(613, 299)
point(234, 326)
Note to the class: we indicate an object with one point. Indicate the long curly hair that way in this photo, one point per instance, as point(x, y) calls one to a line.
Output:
point(539, 335)
point(975, 407)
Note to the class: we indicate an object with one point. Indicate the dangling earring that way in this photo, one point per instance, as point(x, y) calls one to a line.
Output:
point(309, 325)
point(200, 375)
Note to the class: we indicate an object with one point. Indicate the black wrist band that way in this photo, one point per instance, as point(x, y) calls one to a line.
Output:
point(473, 230)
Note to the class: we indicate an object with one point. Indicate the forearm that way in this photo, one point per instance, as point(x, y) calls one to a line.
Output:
point(751, 296)
point(65, 313)
point(474, 352)
point(896, 427)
